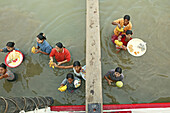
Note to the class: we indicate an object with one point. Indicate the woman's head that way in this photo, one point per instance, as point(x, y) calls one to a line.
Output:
point(128, 34)
point(10, 46)
point(2, 68)
point(118, 71)
point(70, 77)
point(77, 66)
point(41, 37)
point(59, 47)
point(126, 20)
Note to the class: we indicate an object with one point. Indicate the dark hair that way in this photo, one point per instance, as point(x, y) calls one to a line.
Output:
point(59, 44)
point(127, 17)
point(3, 65)
point(70, 75)
point(119, 70)
point(76, 63)
point(10, 44)
point(129, 32)
point(42, 36)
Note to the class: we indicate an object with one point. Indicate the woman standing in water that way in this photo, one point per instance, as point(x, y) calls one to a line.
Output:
point(62, 55)
point(43, 45)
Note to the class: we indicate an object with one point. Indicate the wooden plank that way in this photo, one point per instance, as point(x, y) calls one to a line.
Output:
point(93, 58)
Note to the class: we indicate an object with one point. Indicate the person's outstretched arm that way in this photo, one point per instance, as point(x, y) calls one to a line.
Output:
point(63, 67)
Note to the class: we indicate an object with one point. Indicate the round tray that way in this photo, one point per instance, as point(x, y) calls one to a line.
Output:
point(134, 47)
point(15, 62)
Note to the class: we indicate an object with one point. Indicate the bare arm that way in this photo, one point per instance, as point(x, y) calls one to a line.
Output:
point(114, 23)
point(62, 62)
point(39, 51)
point(61, 85)
point(119, 37)
point(108, 80)
point(1, 50)
point(51, 59)
point(63, 67)
point(3, 76)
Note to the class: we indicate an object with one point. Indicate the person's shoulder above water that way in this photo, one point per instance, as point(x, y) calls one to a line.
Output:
point(6, 50)
point(53, 50)
point(66, 50)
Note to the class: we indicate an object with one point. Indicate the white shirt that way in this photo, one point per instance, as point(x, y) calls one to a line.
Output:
point(81, 73)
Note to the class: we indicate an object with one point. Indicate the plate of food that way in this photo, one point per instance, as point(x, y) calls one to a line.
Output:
point(136, 47)
point(77, 83)
point(14, 58)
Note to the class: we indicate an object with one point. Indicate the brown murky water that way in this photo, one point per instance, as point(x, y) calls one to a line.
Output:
point(146, 78)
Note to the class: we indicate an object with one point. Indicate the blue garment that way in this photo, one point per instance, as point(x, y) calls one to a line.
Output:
point(6, 50)
point(45, 47)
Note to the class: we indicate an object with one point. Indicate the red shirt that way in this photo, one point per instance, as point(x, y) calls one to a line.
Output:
point(123, 40)
point(64, 55)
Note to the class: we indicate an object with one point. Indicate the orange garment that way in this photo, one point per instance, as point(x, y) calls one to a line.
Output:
point(121, 22)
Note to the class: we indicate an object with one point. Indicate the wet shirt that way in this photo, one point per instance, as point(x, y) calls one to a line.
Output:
point(45, 47)
point(123, 40)
point(121, 22)
point(81, 73)
point(110, 75)
point(10, 76)
point(64, 55)
point(69, 86)
point(6, 50)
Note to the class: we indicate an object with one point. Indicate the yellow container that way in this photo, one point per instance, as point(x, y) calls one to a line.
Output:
point(120, 29)
point(51, 64)
point(119, 84)
point(63, 88)
point(33, 49)
point(118, 43)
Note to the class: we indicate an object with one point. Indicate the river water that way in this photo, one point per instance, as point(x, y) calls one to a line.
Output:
point(146, 78)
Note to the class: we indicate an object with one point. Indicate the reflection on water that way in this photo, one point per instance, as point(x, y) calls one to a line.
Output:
point(146, 78)
point(7, 86)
